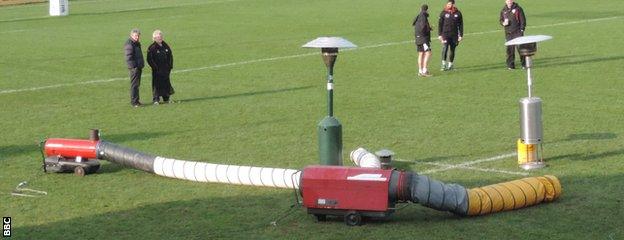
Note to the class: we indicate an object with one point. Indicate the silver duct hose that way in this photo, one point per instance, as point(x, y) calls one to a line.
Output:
point(418, 188)
point(125, 156)
point(438, 195)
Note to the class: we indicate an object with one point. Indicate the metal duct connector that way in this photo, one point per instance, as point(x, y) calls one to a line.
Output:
point(431, 193)
point(438, 195)
point(363, 158)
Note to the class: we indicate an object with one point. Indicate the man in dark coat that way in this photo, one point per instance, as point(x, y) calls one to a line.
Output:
point(512, 18)
point(134, 60)
point(160, 59)
point(422, 35)
point(450, 32)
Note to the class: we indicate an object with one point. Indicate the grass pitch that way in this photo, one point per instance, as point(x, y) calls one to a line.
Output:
point(249, 95)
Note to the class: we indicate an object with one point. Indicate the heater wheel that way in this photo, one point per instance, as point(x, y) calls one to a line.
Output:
point(320, 217)
point(353, 219)
point(79, 171)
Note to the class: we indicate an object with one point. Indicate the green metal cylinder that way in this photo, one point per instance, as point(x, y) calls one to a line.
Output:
point(330, 141)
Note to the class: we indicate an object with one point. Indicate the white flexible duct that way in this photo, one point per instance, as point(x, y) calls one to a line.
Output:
point(232, 174)
point(363, 158)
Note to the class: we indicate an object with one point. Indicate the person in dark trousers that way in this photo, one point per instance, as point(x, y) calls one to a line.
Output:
point(160, 59)
point(134, 60)
point(422, 35)
point(512, 18)
point(450, 33)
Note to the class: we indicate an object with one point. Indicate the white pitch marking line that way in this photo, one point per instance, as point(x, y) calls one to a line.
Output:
point(446, 167)
point(499, 157)
point(13, 31)
point(243, 62)
point(577, 22)
point(124, 10)
point(285, 57)
point(61, 85)
point(467, 165)
point(497, 171)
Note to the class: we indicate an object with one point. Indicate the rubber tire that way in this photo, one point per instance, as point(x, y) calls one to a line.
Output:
point(79, 171)
point(320, 217)
point(353, 219)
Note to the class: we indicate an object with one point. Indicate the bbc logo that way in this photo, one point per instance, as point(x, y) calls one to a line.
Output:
point(6, 226)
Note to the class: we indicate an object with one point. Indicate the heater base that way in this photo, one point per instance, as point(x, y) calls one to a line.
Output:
point(65, 165)
point(351, 217)
point(532, 165)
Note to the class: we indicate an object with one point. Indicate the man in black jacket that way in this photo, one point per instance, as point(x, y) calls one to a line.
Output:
point(134, 60)
point(422, 35)
point(512, 18)
point(450, 32)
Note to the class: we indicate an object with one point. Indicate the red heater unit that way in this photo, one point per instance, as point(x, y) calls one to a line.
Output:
point(351, 192)
point(71, 155)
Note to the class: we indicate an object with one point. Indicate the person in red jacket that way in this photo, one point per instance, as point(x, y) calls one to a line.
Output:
point(513, 20)
point(450, 32)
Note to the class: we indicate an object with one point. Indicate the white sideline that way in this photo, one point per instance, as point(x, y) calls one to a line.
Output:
point(16, 30)
point(497, 171)
point(125, 10)
point(282, 57)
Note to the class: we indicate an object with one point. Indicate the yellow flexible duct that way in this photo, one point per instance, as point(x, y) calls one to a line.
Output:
point(513, 195)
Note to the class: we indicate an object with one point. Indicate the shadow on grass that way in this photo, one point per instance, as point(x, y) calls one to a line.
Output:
point(587, 137)
point(208, 218)
point(236, 217)
point(587, 157)
point(502, 65)
point(541, 63)
point(577, 62)
point(6, 152)
point(247, 94)
point(601, 136)
point(591, 136)
point(248, 216)
point(581, 15)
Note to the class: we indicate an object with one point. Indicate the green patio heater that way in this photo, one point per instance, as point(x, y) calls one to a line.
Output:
point(330, 129)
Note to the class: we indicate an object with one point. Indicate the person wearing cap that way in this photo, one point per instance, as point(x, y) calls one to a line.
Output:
point(450, 33)
point(160, 59)
point(135, 63)
point(422, 35)
point(513, 20)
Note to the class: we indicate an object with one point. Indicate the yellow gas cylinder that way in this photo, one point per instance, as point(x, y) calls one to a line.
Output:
point(526, 152)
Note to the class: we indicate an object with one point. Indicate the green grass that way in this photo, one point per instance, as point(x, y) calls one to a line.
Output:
point(265, 114)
